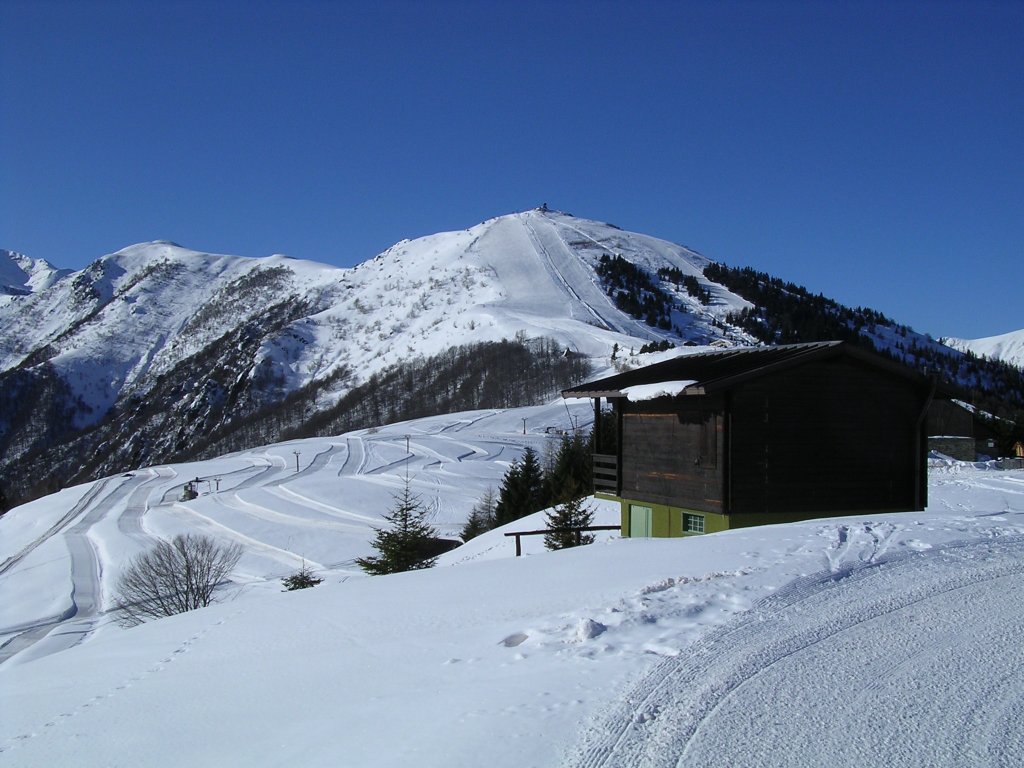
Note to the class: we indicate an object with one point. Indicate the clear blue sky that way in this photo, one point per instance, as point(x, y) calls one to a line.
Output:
point(873, 152)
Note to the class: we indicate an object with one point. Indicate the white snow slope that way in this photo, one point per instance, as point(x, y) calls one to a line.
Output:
point(20, 275)
point(1008, 347)
point(130, 316)
point(884, 639)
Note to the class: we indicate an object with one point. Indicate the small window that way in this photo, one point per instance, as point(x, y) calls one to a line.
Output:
point(693, 523)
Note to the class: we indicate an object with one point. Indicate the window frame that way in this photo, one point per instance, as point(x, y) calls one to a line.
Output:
point(693, 522)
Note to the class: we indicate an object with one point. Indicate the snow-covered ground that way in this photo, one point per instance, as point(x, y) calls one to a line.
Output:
point(882, 639)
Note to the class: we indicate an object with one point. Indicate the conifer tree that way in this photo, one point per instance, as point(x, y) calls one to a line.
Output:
point(571, 470)
point(406, 543)
point(571, 513)
point(301, 579)
point(482, 517)
point(522, 490)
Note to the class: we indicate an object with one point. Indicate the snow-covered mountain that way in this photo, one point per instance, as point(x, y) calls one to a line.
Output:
point(157, 352)
point(21, 275)
point(1008, 347)
point(157, 345)
point(141, 311)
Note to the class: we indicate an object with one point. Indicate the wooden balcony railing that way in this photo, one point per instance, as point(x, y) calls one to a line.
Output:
point(606, 473)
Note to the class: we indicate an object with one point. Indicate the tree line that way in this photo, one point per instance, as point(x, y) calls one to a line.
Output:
point(529, 487)
point(634, 292)
point(207, 406)
point(786, 313)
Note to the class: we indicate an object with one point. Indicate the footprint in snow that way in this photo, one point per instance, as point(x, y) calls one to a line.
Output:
point(516, 638)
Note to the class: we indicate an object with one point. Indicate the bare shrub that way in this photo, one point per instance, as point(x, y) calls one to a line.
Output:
point(173, 577)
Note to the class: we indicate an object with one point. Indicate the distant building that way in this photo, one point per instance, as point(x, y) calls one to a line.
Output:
point(740, 437)
point(956, 430)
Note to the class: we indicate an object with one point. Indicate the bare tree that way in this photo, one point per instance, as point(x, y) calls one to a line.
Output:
point(173, 577)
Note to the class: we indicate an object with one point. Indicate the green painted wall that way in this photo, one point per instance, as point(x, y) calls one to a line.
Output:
point(667, 521)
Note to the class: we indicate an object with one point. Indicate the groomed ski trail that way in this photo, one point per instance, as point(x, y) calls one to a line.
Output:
point(842, 663)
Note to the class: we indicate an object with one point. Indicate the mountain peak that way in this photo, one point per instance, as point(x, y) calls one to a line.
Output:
point(157, 346)
point(21, 275)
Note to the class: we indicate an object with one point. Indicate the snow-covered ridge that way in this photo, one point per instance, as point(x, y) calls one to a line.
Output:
point(20, 275)
point(141, 311)
point(1008, 347)
point(161, 346)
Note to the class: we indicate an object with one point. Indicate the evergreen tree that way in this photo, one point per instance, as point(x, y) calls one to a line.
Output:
point(482, 518)
point(522, 489)
point(572, 468)
point(407, 541)
point(302, 579)
point(571, 513)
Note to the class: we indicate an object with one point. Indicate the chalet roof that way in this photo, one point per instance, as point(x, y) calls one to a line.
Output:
point(705, 372)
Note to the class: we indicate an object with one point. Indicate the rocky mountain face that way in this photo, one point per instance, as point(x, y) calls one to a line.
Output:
point(159, 353)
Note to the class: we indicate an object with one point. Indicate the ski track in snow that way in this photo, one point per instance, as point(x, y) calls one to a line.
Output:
point(78, 620)
point(355, 460)
point(865, 647)
point(77, 510)
point(555, 273)
point(130, 521)
point(259, 504)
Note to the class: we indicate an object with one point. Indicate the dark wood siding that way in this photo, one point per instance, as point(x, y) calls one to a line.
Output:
point(672, 452)
point(826, 437)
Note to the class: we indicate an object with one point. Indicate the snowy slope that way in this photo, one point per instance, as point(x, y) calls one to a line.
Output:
point(20, 275)
point(129, 317)
point(61, 555)
point(853, 636)
point(1008, 347)
point(530, 272)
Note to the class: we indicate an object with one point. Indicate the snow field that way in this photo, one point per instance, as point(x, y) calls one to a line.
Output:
point(859, 638)
point(914, 660)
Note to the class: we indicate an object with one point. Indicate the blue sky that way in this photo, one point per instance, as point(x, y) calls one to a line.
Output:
point(873, 152)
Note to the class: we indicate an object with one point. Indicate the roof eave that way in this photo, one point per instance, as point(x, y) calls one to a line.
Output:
point(611, 394)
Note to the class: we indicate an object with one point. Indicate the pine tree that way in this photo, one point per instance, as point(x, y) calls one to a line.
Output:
point(571, 513)
point(482, 517)
point(301, 579)
point(522, 489)
point(572, 468)
point(405, 544)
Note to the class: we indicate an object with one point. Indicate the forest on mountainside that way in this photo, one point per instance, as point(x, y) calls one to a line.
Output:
point(209, 407)
point(493, 374)
point(786, 313)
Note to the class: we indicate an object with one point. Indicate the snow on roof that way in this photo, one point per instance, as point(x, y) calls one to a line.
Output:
point(642, 392)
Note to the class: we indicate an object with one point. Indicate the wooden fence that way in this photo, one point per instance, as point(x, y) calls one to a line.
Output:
point(579, 531)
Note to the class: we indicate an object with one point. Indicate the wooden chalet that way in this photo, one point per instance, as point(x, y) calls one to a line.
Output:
point(747, 436)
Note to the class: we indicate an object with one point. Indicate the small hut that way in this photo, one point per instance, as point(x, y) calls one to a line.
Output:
point(747, 436)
